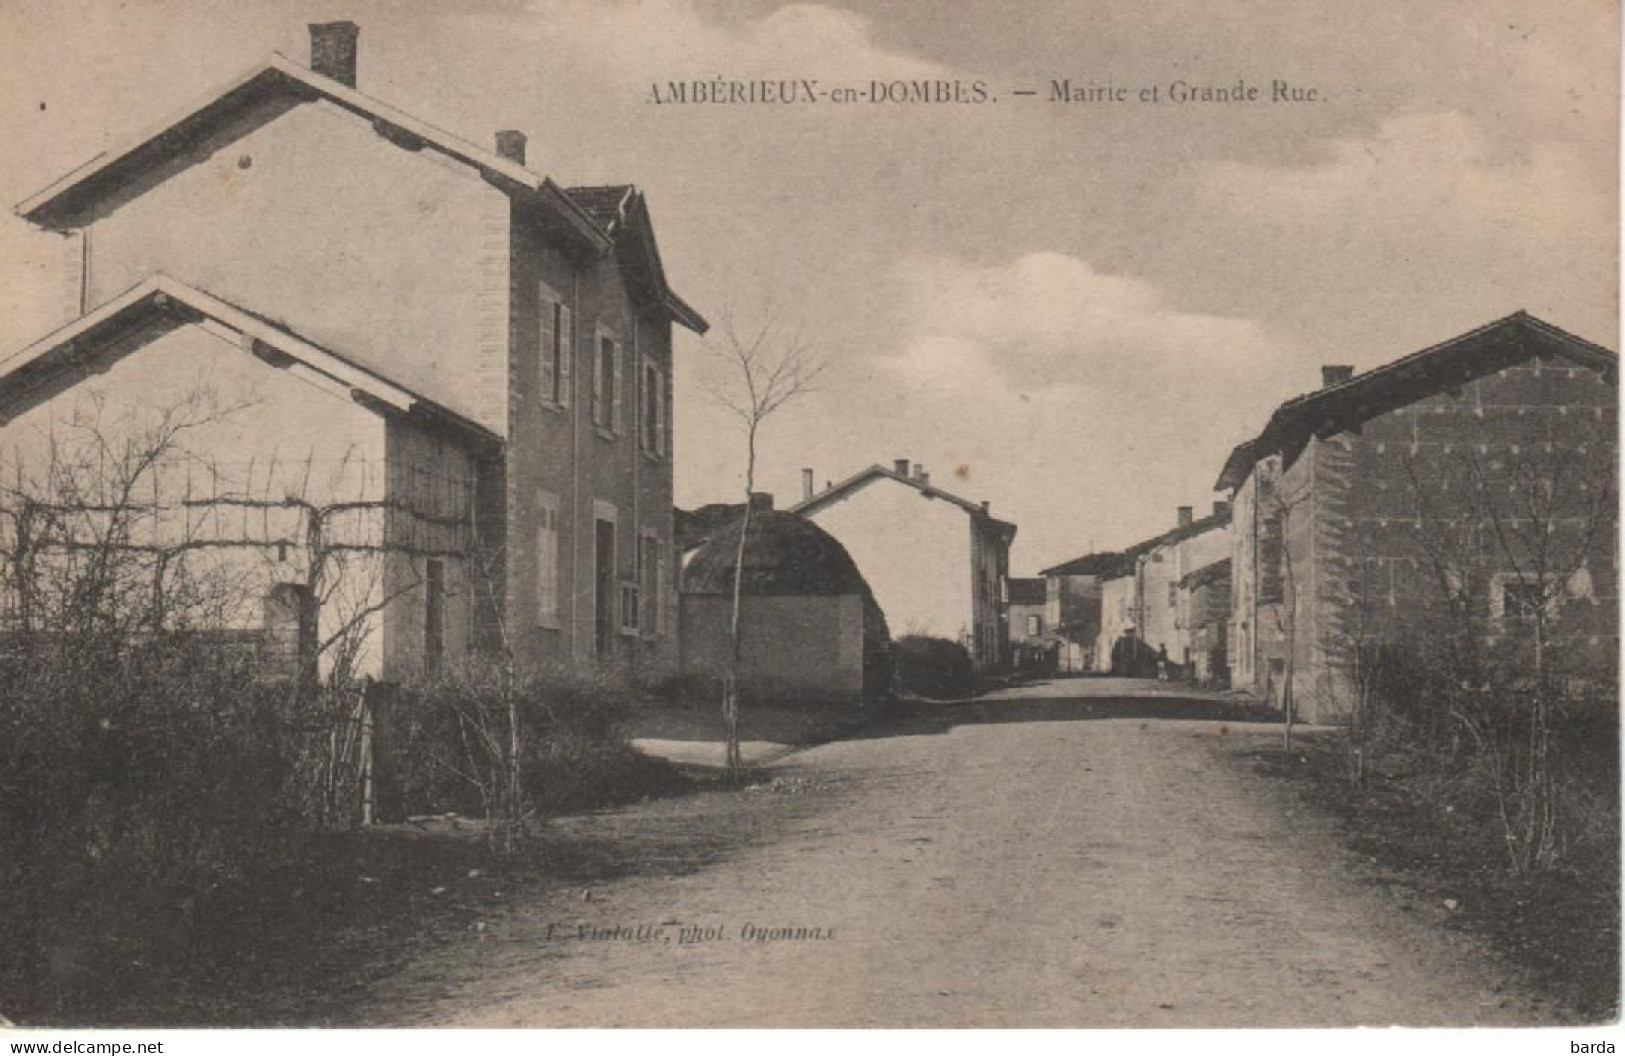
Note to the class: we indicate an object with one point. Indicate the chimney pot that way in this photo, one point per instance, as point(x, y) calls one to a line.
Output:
point(900, 467)
point(333, 50)
point(1185, 513)
point(1220, 507)
point(761, 501)
point(925, 478)
point(806, 484)
point(1335, 374)
point(511, 145)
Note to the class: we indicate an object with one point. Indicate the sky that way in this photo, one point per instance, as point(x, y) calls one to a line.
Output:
point(1073, 310)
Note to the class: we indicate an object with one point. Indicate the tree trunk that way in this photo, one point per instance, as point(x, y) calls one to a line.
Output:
point(734, 764)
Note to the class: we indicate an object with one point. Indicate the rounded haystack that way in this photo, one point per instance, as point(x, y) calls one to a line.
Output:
point(785, 555)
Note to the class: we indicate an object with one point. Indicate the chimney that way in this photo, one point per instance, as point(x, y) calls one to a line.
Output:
point(332, 50)
point(925, 478)
point(761, 501)
point(1334, 375)
point(900, 467)
point(1221, 508)
point(1185, 516)
point(986, 506)
point(511, 145)
point(806, 484)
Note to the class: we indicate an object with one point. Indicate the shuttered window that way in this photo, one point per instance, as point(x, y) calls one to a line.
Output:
point(554, 341)
point(547, 559)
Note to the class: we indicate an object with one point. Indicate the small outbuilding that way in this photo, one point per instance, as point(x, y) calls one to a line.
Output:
point(810, 628)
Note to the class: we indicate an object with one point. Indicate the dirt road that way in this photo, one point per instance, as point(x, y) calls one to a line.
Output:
point(1086, 853)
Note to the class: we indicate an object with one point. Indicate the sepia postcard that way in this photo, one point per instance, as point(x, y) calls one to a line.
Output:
point(831, 514)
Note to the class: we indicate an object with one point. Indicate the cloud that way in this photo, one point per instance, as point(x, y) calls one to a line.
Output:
point(796, 40)
point(1048, 324)
point(1427, 177)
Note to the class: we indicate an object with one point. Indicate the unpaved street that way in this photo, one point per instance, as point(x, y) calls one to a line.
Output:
point(1040, 859)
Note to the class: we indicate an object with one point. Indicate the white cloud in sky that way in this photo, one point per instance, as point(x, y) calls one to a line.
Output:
point(1046, 323)
point(796, 40)
point(1430, 178)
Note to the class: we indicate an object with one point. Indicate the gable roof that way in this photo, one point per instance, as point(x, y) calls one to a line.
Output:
point(622, 213)
point(864, 477)
point(61, 204)
point(171, 303)
point(1437, 368)
point(1027, 591)
point(1111, 564)
point(1207, 575)
point(1105, 563)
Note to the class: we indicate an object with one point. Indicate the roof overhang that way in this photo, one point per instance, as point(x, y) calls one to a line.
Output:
point(1437, 368)
point(61, 205)
point(169, 302)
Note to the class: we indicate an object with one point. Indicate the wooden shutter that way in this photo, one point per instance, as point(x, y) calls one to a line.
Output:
point(546, 346)
point(566, 347)
point(660, 412)
point(615, 402)
point(598, 393)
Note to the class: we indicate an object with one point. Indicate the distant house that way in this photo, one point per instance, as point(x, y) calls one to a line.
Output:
point(1073, 608)
point(1193, 543)
point(1204, 609)
point(1467, 485)
point(442, 333)
point(1031, 644)
point(1025, 614)
point(811, 630)
point(936, 562)
point(1143, 611)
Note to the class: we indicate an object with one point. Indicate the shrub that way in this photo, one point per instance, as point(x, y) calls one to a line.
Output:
point(514, 746)
point(933, 667)
point(140, 781)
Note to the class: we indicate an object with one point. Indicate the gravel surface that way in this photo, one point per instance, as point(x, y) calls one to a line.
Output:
point(1081, 853)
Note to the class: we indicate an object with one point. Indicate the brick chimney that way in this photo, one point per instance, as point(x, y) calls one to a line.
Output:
point(333, 50)
point(900, 467)
point(1185, 516)
point(761, 501)
point(806, 484)
point(1334, 375)
point(511, 145)
point(1220, 508)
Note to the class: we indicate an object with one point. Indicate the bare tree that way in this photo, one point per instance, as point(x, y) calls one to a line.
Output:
point(763, 368)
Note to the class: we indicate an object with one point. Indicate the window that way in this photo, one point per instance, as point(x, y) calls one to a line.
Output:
point(651, 579)
point(652, 403)
point(553, 347)
point(606, 383)
point(1035, 626)
point(1173, 595)
point(547, 560)
point(1269, 561)
point(629, 607)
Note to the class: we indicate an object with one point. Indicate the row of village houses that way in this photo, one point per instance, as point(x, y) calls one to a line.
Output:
point(1458, 490)
point(456, 375)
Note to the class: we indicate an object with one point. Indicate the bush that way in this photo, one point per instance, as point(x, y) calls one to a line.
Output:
point(140, 782)
point(933, 667)
point(455, 746)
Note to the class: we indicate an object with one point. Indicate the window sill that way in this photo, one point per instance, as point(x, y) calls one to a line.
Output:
point(548, 625)
point(553, 407)
point(651, 456)
point(606, 434)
